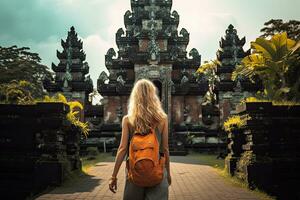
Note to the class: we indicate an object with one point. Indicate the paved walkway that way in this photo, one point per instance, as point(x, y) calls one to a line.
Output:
point(189, 181)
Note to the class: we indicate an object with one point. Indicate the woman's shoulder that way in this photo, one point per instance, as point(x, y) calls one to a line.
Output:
point(163, 122)
point(165, 118)
point(125, 119)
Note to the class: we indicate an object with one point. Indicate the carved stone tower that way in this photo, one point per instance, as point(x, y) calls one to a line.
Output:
point(152, 48)
point(230, 55)
point(70, 73)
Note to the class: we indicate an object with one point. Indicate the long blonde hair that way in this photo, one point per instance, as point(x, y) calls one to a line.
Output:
point(144, 107)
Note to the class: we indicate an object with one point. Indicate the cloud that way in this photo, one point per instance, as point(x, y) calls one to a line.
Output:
point(95, 48)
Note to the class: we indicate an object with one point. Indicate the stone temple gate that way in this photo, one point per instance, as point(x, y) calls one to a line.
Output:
point(152, 47)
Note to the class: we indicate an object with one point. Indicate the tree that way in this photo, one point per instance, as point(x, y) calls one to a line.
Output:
point(271, 62)
point(208, 69)
point(21, 65)
point(275, 26)
point(16, 92)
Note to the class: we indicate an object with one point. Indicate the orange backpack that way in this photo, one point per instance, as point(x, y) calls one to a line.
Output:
point(145, 164)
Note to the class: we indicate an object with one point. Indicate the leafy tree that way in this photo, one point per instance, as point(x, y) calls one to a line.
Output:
point(21, 65)
point(275, 26)
point(271, 61)
point(72, 116)
point(208, 70)
point(16, 92)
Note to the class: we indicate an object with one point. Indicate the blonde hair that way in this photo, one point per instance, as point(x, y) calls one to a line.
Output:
point(144, 107)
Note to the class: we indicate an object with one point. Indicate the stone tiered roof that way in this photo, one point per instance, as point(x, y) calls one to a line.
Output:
point(72, 69)
point(151, 36)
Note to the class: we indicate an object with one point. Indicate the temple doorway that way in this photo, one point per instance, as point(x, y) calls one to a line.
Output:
point(159, 88)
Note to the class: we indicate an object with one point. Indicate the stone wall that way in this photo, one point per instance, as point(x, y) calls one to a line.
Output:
point(38, 148)
point(265, 153)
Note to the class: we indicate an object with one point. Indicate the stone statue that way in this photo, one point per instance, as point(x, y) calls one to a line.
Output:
point(67, 78)
point(185, 82)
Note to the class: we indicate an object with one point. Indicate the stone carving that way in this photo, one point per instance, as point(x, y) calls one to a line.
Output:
point(185, 34)
point(231, 30)
point(67, 76)
point(238, 86)
point(136, 31)
point(120, 83)
point(127, 15)
point(174, 52)
point(119, 33)
point(194, 54)
point(175, 15)
point(185, 82)
point(145, 72)
point(168, 31)
point(153, 48)
point(102, 78)
point(88, 79)
point(121, 80)
point(109, 56)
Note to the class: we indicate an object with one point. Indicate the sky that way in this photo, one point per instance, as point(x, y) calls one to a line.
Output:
point(41, 24)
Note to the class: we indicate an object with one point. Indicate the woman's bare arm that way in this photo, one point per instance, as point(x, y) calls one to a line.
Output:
point(165, 141)
point(122, 150)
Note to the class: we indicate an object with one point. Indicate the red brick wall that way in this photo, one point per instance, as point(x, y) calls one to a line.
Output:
point(194, 108)
point(225, 109)
point(144, 45)
point(177, 109)
point(110, 109)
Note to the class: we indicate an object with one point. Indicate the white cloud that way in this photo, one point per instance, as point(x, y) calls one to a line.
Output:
point(95, 48)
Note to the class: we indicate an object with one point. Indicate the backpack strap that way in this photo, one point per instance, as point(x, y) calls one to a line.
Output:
point(159, 138)
point(129, 139)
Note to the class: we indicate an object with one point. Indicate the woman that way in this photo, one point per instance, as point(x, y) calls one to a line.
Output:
point(144, 113)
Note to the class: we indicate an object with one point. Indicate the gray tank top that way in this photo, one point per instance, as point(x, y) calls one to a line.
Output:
point(158, 136)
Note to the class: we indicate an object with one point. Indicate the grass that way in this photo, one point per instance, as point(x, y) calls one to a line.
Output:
point(90, 161)
point(209, 159)
point(239, 183)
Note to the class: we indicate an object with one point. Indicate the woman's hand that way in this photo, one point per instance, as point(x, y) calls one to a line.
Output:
point(169, 179)
point(113, 184)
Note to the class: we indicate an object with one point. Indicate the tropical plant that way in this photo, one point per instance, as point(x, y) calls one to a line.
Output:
point(235, 121)
point(17, 92)
point(72, 115)
point(274, 103)
point(270, 62)
point(208, 70)
point(20, 64)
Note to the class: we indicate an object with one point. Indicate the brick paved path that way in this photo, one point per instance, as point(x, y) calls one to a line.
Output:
point(189, 181)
